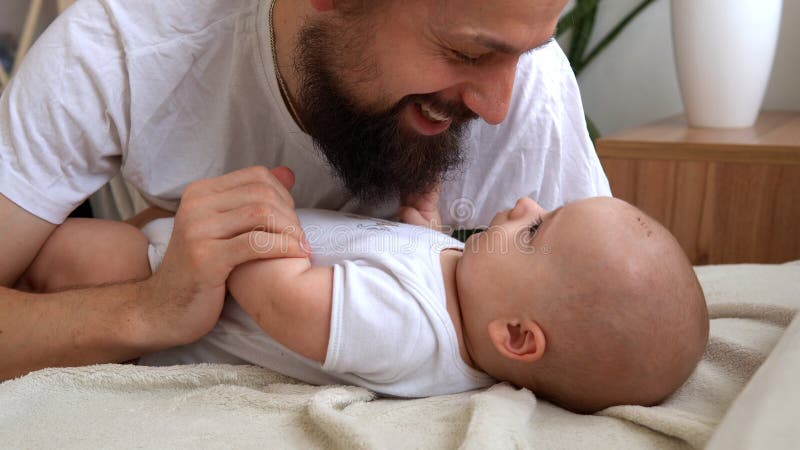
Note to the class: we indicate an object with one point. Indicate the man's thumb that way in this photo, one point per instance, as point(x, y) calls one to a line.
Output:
point(284, 175)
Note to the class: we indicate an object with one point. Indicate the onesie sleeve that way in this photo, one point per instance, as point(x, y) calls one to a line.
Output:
point(158, 233)
point(64, 116)
point(378, 330)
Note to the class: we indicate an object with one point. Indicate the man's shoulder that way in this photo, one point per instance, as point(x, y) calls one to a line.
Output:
point(545, 86)
point(544, 59)
point(544, 73)
point(148, 23)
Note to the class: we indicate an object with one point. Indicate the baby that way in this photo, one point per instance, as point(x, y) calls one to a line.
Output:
point(591, 305)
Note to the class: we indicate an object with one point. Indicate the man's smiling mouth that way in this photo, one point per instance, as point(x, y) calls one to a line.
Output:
point(427, 120)
point(432, 114)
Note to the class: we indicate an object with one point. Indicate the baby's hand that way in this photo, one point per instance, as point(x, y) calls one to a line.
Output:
point(422, 210)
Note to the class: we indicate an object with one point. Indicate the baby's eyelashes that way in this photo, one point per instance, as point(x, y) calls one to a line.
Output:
point(534, 227)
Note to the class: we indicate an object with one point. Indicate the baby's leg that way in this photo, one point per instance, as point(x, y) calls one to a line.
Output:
point(88, 252)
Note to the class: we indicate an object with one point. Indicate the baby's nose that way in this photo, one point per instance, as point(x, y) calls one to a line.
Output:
point(526, 206)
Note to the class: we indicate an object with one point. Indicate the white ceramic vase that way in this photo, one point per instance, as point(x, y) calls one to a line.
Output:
point(724, 50)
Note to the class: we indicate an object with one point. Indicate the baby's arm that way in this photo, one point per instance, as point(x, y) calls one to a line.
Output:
point(290, 301)
point(88, 252)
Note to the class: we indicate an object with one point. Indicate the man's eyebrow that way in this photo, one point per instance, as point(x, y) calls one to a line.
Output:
point(504, 47)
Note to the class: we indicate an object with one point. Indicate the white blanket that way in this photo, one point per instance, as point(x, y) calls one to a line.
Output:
point(215, 406)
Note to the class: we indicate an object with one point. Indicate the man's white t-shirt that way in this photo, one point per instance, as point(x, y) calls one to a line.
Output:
point(390, 328)
point(171, 92)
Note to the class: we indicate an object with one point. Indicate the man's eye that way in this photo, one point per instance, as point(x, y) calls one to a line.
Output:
point(467, 59)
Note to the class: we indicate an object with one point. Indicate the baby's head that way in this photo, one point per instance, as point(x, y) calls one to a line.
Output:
point(591, 305)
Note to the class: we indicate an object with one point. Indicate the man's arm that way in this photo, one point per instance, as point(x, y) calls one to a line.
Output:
point(69, 328)
point(289, 300)
point(177, 305)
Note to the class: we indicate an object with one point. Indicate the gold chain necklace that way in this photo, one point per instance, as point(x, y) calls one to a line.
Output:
point(281, 83)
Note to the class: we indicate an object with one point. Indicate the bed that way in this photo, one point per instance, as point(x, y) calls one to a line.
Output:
point(742, 395)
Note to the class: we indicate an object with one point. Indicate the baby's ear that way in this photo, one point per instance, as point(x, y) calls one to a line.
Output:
point(521, 341)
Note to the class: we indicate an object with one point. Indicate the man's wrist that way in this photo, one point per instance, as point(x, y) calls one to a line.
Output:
point(129, 329)
point(73, 328)
point(161, 316)
point(113, 332)
point(141, 324)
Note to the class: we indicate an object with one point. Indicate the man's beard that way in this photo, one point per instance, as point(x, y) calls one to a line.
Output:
point(374, 158)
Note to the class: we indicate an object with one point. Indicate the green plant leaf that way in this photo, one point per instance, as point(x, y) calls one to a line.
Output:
point(594, 132)
point(575, 15)
point(612, 35)
point(582, 33)
point(581, 20)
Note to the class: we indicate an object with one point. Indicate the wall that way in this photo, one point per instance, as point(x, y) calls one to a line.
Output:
point(634, 81)
point(13, 12)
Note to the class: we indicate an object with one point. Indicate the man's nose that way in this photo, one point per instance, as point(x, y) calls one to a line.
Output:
point(489, 93)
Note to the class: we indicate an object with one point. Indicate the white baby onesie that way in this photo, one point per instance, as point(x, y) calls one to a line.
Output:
point(390, 329)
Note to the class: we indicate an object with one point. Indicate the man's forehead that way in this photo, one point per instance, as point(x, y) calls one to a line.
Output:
point(508, 26)
point(490, 7)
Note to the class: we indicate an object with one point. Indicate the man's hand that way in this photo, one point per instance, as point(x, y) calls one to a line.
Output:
point(221, 223)
point(422, 209)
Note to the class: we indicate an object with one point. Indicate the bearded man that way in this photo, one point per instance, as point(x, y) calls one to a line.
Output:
point(370, 103)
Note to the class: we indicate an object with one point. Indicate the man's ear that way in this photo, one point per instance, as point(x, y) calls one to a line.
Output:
point(521, 341)
point(322, 5)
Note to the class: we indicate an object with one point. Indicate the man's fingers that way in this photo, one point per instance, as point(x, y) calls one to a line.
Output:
point(284, 175)
point(411, 216)
point(415, 217)
point(247, 194)
point(254, 174)
point(428, 201)
point(255, 245)
point(254, 217)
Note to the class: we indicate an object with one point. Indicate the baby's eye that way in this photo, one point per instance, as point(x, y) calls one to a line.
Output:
point(534, 227)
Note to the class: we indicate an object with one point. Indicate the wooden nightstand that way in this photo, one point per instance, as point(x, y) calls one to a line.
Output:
point(728, 196)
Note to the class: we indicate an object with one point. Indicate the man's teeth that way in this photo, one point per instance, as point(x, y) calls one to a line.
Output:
point(432, 115)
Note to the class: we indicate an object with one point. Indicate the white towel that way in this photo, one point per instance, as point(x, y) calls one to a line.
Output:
point(217, 406)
